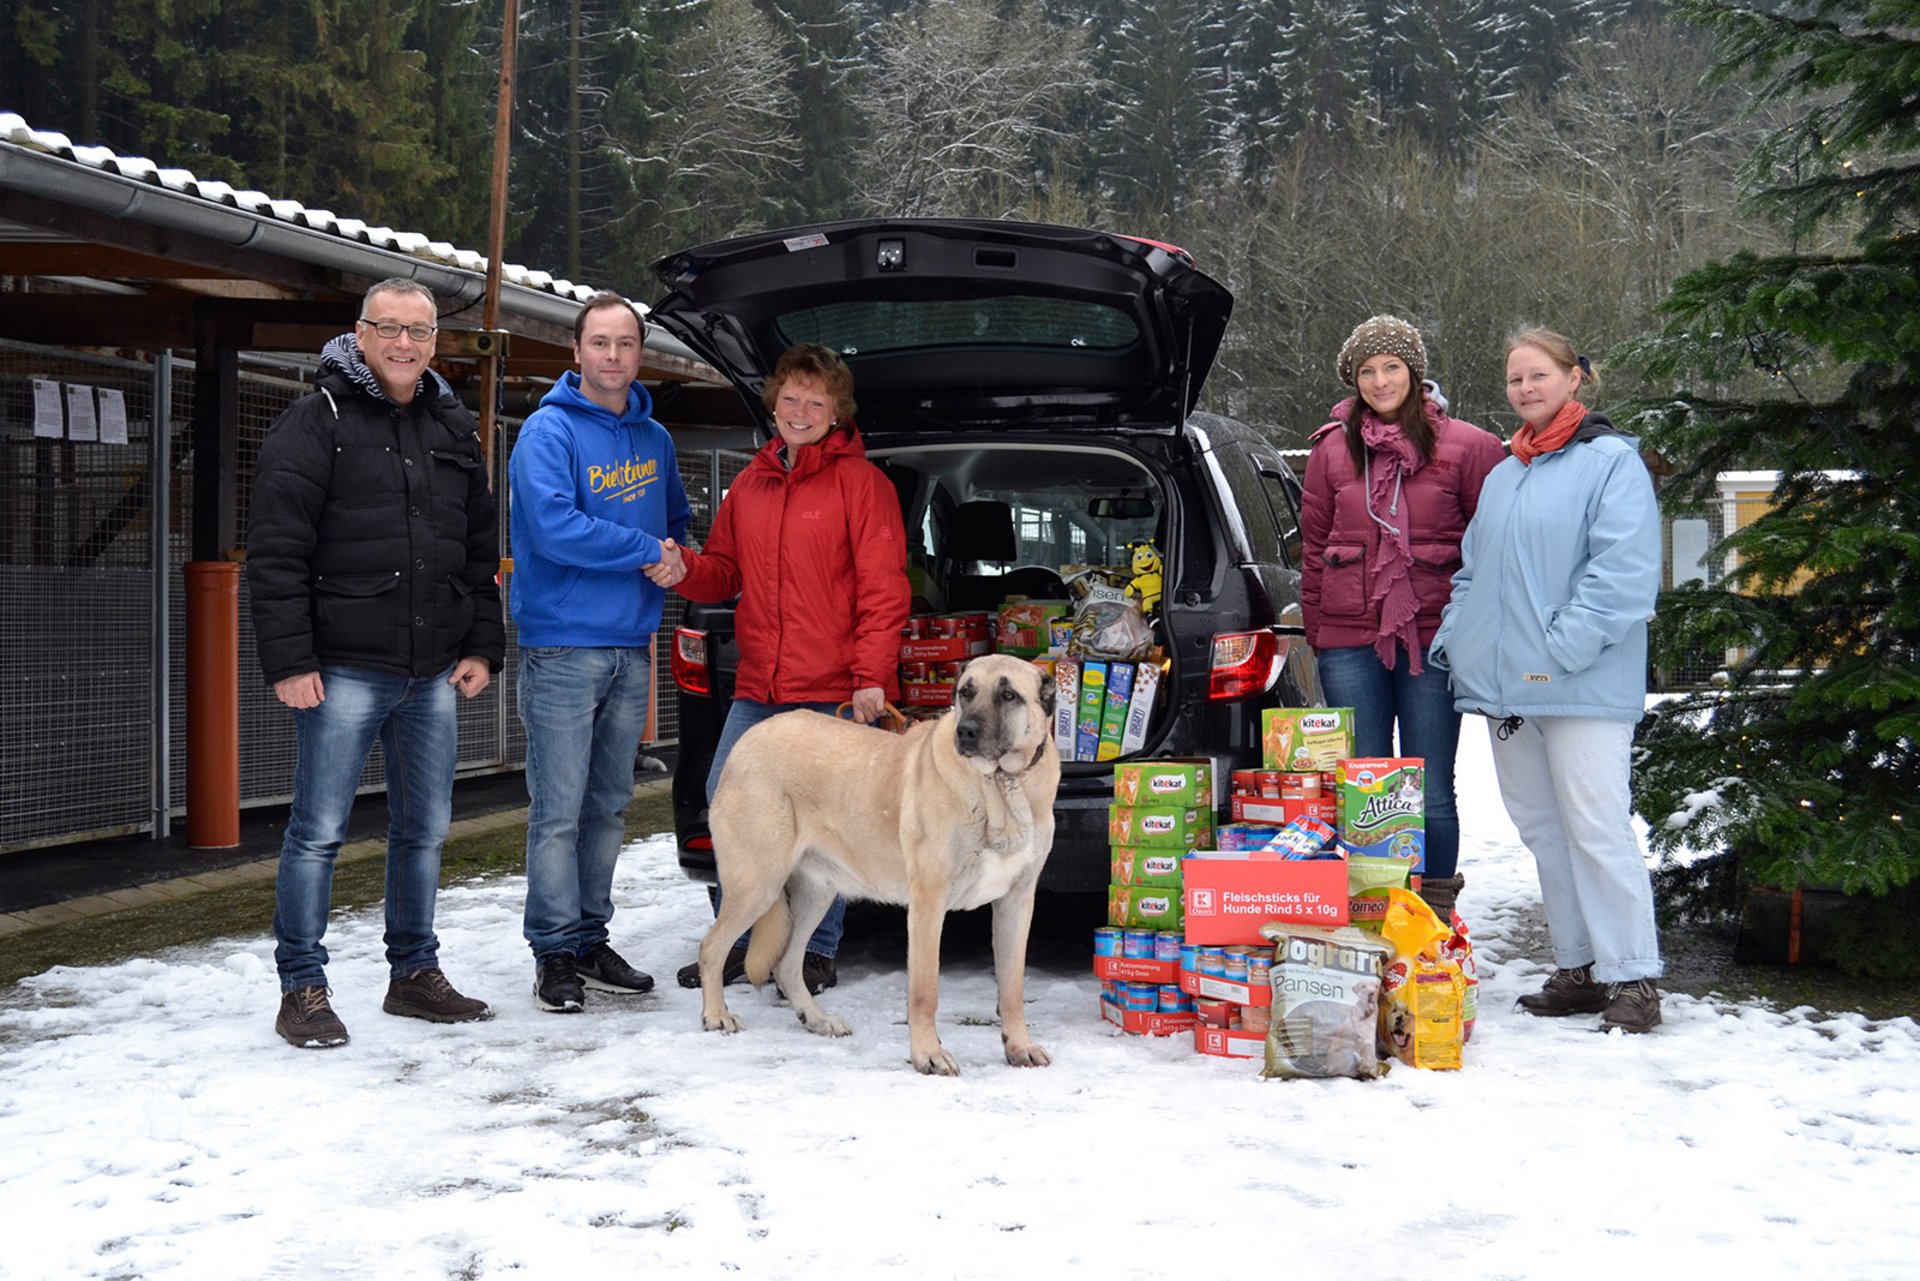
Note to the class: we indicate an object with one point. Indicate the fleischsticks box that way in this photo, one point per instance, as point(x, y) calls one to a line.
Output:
point(1231, 894)
point(1383, 808)
point(1305, 739)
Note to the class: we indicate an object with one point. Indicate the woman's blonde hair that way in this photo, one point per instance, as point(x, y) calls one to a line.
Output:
point(1560, 351)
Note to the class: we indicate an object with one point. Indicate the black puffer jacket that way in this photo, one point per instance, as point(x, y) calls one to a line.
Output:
point(373, 540)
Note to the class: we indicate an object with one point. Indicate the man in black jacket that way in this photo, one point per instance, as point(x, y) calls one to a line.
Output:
point(372, 557)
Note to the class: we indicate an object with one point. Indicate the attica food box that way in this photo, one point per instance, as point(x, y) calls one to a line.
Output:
point(1231, 894)
point(1174, 781)
point(1305, 740)
point(1383, 808)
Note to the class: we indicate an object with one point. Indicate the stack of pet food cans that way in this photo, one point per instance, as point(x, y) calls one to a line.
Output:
point(933, 649)
point(1161, 810)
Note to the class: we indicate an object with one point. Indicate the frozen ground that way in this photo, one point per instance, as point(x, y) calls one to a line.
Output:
point(152, 1126)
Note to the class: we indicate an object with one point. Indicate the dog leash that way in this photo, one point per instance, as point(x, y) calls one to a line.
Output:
point(892, 718)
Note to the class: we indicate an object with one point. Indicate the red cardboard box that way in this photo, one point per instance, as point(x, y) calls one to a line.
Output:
point(926, 694)
point(1214, 988)
point(1130, 969)
point(943, 649)
point(1146, 1022)
point(1230, 1043)
point(1231, 894)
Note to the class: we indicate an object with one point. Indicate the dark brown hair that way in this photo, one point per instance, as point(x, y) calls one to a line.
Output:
point(606, 298)
point(1414, 418)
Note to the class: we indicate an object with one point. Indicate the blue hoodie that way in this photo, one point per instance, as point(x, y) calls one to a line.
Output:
point(592, 495)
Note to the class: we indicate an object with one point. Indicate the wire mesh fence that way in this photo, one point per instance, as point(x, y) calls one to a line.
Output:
point(93, 701)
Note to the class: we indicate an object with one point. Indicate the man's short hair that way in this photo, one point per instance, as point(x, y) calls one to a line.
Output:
point(606, 298)
point(398, 285)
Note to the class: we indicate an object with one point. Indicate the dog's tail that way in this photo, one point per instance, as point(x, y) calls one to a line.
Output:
point(769, 940)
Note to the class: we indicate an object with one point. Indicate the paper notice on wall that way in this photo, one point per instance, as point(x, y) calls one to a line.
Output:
point(113, 416)
point(80, 420)
point(47, 418)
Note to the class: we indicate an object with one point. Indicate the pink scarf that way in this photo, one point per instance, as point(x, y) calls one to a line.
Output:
point(1391, 458)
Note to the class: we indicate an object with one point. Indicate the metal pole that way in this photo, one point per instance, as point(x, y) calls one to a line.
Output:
point(160, 558)
point(497, 226)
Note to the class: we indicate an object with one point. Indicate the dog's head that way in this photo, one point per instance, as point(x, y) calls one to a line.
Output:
point(1003, 713)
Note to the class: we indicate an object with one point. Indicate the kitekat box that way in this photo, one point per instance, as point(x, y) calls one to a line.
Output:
point(1383, 808)
point(1179, 781)
point(1230, 894)
point(1305, 740)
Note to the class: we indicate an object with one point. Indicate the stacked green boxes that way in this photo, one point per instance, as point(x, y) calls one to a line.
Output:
point(1161, 810)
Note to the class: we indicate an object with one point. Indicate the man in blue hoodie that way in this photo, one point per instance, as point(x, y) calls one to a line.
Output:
point(595, 488)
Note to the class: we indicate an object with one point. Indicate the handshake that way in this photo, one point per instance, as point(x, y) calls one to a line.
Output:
point(670, 568)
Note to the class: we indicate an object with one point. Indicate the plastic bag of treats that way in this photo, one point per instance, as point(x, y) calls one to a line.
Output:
point(1423, 991)
point(1107, 619)
point(1326, 999)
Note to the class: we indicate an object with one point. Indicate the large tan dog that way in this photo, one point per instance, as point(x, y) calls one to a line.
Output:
point(952, 814)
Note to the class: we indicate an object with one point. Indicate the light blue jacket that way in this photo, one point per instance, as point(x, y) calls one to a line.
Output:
point(593, 493)
point(1560, 568)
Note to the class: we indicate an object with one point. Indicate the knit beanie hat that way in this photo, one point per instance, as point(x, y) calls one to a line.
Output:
point(1379, 335)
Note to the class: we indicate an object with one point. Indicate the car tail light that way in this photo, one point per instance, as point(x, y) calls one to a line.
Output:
point(1245, 665)
point(690, 661)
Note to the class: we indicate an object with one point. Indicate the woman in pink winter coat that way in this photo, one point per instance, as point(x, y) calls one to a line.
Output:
point(1391, 484)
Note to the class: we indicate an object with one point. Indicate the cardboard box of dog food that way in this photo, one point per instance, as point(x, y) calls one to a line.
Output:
point(1230, 894)
point(1242, 808)
point(943, 649)
point(1303, 740)
point(1093, 704)
point(1146, 866)
point(1179, 781)
point(1230, 1043)
point(1066, 705)
point(1113, 718)
point(1146, 687)
point(1383, 808)
point(1146, 1022)
point(1152, 907)
point(1166, 825)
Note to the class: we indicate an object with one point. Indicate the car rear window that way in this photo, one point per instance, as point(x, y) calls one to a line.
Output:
point(883, 328)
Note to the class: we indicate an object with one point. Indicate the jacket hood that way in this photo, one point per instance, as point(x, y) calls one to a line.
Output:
point(566, 395)
point(1596, 425)
point(810, 458)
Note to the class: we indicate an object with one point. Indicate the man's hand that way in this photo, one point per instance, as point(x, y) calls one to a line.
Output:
point(670, 568)
point(302, 691)
point(471, 676)
point(869, 704)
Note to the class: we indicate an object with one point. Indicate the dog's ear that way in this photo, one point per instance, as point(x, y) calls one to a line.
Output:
point(1046, 694)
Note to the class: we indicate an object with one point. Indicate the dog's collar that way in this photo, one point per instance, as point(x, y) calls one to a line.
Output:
point(1015, 776)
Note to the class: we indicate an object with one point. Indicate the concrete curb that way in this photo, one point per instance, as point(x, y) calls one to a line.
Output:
point(178, 888)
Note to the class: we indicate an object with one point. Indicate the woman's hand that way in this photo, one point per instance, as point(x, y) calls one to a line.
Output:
point(869, 704)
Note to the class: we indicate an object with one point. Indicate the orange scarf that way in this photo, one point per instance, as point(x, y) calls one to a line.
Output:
point(1528, 444)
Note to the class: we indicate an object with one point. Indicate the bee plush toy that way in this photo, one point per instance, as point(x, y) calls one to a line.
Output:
point(1146, 574)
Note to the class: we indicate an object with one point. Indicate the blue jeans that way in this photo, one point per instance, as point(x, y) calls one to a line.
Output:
point(416, 720)
point(584, 709)
point(1429, 728)
point(741, 717)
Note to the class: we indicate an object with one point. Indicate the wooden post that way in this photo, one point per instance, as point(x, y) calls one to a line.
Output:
point(213, 704)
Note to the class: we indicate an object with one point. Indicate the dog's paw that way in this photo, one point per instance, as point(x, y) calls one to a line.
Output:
point(1028, 1056)
point(825, 1024)
point(727, 1022)
point(938, 1063)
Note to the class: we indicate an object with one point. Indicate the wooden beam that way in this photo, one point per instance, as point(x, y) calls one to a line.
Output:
point(107, 262)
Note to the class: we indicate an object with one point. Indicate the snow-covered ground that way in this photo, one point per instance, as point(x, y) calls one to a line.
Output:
point(152, 1125)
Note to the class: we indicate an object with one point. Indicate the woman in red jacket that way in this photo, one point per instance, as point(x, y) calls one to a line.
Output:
point(1391, 484)
point(810, 538)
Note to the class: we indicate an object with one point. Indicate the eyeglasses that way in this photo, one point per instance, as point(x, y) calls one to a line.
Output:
point(393, 329)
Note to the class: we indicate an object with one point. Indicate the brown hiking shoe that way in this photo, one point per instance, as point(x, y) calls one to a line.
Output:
point(1567, 992)
point(306, 1020)
point(1632, 1006)
point(426, 994)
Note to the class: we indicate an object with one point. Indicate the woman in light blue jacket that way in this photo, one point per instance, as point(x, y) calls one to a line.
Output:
point(1546, 633)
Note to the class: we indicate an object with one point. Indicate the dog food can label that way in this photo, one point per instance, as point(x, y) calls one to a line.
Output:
point(1143, 996)
point(1213, 962)
point(1256, 1018)
point(947, 673)
point(1189, 956)
point(1299, 787)
point(915, 629)
point(1137, 944)
point(1106, 941)
point(973, 625)
point(1272, 781)
point(1234, 965)
point(915, 673)
point(1246, 782)
point(1173, 1000)
point(1214, 1013)
point(1166, 945)
point(1259, 967)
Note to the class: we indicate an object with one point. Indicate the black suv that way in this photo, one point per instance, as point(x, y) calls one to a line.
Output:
point(1030, 391)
